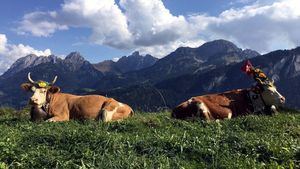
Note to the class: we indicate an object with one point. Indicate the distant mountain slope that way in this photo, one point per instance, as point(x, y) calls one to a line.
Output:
point(126, 64)
point(182, 61)
point(282, 65)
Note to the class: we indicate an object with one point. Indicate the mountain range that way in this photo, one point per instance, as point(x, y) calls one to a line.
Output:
point(147, 83)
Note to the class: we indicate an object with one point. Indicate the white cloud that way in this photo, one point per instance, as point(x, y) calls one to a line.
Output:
point(147, 25)
point(152, 24)
point(108, 23)
point(115, 59)
point(41, 24)
point(162, 50)
point(263, 28)
point(140, 23)
point(9, 53)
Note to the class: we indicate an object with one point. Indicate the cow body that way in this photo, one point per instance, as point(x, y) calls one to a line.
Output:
point(49, 104)
point(63, 107)
point(218, 106)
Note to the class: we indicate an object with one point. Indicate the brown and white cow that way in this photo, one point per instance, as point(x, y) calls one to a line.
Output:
point(49, 104)
point(263, 98)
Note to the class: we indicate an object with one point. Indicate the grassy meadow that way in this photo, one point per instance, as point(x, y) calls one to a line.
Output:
point(150, 140)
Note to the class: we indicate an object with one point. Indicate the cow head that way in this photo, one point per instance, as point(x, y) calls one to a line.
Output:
point(269, 93)
point(40, 89)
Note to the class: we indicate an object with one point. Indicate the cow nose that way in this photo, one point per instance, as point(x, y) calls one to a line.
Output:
point(34, 100)
point(282, 100)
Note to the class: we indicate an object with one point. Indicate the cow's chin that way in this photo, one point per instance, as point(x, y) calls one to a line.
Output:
point(37, 105)
point(274, 103)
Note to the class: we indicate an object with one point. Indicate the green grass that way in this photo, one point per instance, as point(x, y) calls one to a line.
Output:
point(150, 141)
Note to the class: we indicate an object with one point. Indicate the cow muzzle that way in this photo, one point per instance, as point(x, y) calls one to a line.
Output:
point(33, 101)
point(282, 100)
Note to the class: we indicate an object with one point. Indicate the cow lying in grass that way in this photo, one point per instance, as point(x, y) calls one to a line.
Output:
point(262, 98)
point(49, 104)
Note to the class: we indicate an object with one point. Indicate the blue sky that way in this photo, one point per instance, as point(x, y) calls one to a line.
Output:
point(106, 29)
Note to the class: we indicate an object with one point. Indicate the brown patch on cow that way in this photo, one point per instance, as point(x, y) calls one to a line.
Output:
point(122, 111)
point(54, 89)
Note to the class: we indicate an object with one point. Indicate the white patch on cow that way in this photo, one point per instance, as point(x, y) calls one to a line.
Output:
point(121, 104)
point(271, 96)
point(51, 120)
point(191, 100)
point(107, 115)
point(229, 115)
point(273, 108)
point(39, 96)
point(204, 109)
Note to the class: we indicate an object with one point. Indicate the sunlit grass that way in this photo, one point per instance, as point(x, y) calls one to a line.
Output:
point(151, 141)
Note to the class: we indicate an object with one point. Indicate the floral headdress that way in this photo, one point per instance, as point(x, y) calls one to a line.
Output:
point(258, 75)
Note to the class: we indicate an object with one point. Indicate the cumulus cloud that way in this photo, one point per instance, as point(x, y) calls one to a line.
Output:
point(263, 28)
point(11, 52)
point(162, 50)
point(135, 24)
point(41, 24)
point(152, 24)
point(150, 27)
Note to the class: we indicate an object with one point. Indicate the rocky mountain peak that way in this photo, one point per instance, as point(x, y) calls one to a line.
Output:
point(74, 61)
point(74, 57)
point(133, 62)
point(248, 53)
point(29, 61)
point(220, 44)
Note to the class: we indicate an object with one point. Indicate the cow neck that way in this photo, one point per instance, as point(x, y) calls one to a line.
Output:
point(46, 105)
point(256, 101)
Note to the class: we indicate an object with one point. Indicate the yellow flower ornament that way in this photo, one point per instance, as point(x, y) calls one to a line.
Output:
point(42, 84)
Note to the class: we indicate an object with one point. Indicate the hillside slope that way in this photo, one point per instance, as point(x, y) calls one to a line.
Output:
point(151, 141)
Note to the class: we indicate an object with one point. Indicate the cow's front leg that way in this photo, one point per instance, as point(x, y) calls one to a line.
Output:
point(63, 117)
point(57, 119)
point(107, 115)
point(273, 110)
point(59, 114)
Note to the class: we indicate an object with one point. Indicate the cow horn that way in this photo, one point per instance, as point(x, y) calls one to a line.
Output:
point(54, 80)
point(29, 78)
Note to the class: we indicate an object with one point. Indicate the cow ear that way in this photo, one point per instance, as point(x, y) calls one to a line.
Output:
point(54, 89)
point(26, 86)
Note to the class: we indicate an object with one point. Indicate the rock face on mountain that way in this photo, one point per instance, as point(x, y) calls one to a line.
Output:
point(29, 61)
point(126, 64)
point(135, 62)
point(107, 67)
